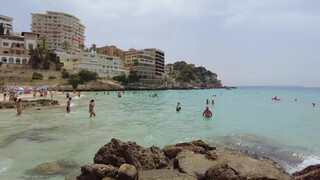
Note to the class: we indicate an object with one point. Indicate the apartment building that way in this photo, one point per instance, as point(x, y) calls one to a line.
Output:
point(142, 62)
point(15, 49)
point(105, 66)
point(7, 23)
point(59, 28)
point(159, 60)
point(111, 51)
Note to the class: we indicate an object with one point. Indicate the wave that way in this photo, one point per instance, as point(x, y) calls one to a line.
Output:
point(5, 165)
point(308, 161)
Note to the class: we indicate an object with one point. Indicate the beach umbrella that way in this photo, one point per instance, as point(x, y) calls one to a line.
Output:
point(30, 89)
point(20, 89)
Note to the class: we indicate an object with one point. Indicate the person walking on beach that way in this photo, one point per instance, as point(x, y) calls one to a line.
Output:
point(91, 107)
point(207, 112)
point(68, 105)
point(178, 107)
point(19, 107)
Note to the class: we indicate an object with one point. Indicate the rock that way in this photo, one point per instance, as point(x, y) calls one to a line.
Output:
point(50, 168)
point(163, 174)
point(198, 147)
point(309, 173)
point(228, 165)
point(97, 172)
point(68, 163)
point(195, 165)
point(29, 103)
point(108, 178)
point(117, 153)
point(127, 172)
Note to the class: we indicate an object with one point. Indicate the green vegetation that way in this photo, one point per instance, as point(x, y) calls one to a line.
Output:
point(52, 77)
point(81, 77)
point(66, 46)
point(37, 76)
point(189, 73)
point(131, 78)
point(65, 74)
point(41, 57)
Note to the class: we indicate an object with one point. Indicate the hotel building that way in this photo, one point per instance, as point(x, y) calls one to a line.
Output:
point(159, 60)
point(15, 49)
point(59, 27)
point(105, 66)
point(111, 51)
point(142, 62)
point(7, 23)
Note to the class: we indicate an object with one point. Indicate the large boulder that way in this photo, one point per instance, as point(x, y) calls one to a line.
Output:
point(163, 174)
point(49, 168)
point(198, 147)
point(228, 165)
point(117, 153)
point(97, 172)
point(309, 173)
point(127, 172)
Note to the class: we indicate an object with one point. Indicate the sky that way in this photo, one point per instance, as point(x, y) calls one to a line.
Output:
point(246, 42)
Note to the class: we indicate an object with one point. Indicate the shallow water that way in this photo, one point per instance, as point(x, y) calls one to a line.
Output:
point(245, 119)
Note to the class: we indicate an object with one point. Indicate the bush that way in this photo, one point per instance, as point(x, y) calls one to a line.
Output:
point(52, 77)
point(75, 80)
point(59, 66)
point(88, 75)
point(65, 74)
point(37, 76)
point(121, 78)
point(133, 77)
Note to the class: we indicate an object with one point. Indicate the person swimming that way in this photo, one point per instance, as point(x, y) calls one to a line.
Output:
point(119, 95)
point(212, 102)
point(208, 101)
point(313, 104)
point(207, 112)
point(178, 107)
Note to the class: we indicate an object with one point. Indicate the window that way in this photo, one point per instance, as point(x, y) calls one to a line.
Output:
point(24, 61)
point(4, 59)
point(5, 52)
point(5, 44)
point(11, 60)
point(18, 61)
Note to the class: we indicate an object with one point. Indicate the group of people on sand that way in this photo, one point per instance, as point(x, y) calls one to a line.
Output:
point(206, 112)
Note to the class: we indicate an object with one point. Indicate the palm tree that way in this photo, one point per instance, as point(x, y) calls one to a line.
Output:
point(93, 48)
point(66, 46)
point(82, 46)
point(44, 40)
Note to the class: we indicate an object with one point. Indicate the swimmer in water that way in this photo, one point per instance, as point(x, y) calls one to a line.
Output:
point(207, 112)
point(67, 95)
point(79, 94)
point(313, 104)
point(119, 95)
point(178, 107)
point(208, 101)
point(212, 102)
point(91, 107)
point(68, 105)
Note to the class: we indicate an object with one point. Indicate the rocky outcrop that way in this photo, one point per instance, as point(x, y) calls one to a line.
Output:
point(193, 160)
point(127, 172)
point(30, 103)
point(97, 172)
point(309, 173)
point(117, 153)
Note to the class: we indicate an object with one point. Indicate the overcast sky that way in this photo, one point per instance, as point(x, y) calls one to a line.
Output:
point(246, 42)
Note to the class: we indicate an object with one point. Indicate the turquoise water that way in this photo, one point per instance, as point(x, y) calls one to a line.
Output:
point(245, 119)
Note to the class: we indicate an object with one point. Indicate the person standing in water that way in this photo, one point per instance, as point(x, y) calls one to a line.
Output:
point(5, 96)
point(119, 95)
point(91, 107)
point(67, 95)
point(208, 101)
point(79, 94)
point(178, 107)
point(313, 104)
point(19, 107)
point(212, 102)
point(68, 105)
point(207, 112)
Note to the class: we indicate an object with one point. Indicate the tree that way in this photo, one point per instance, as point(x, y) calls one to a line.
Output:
point(44, 40)
point(1, 29)
point(46, 65)
point(82, 46)
point(88, 75)
point(93, 48)
point(121, 78)
point(75, 80)
point(65, 73)
point(66, 46)
point(133, 77)
point(37, 76)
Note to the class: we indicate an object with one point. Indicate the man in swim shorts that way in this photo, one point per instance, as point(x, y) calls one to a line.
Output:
point(207, 112)
point(178, 107)
point(91, 107)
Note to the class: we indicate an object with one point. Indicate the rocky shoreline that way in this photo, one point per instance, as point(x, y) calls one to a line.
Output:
point(192, 160)
point(30, 103)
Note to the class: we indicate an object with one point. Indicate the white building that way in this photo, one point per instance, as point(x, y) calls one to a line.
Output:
point(7, 23)
point(105, 66)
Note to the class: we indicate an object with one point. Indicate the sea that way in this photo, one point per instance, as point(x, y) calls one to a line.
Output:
point(245, 119)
